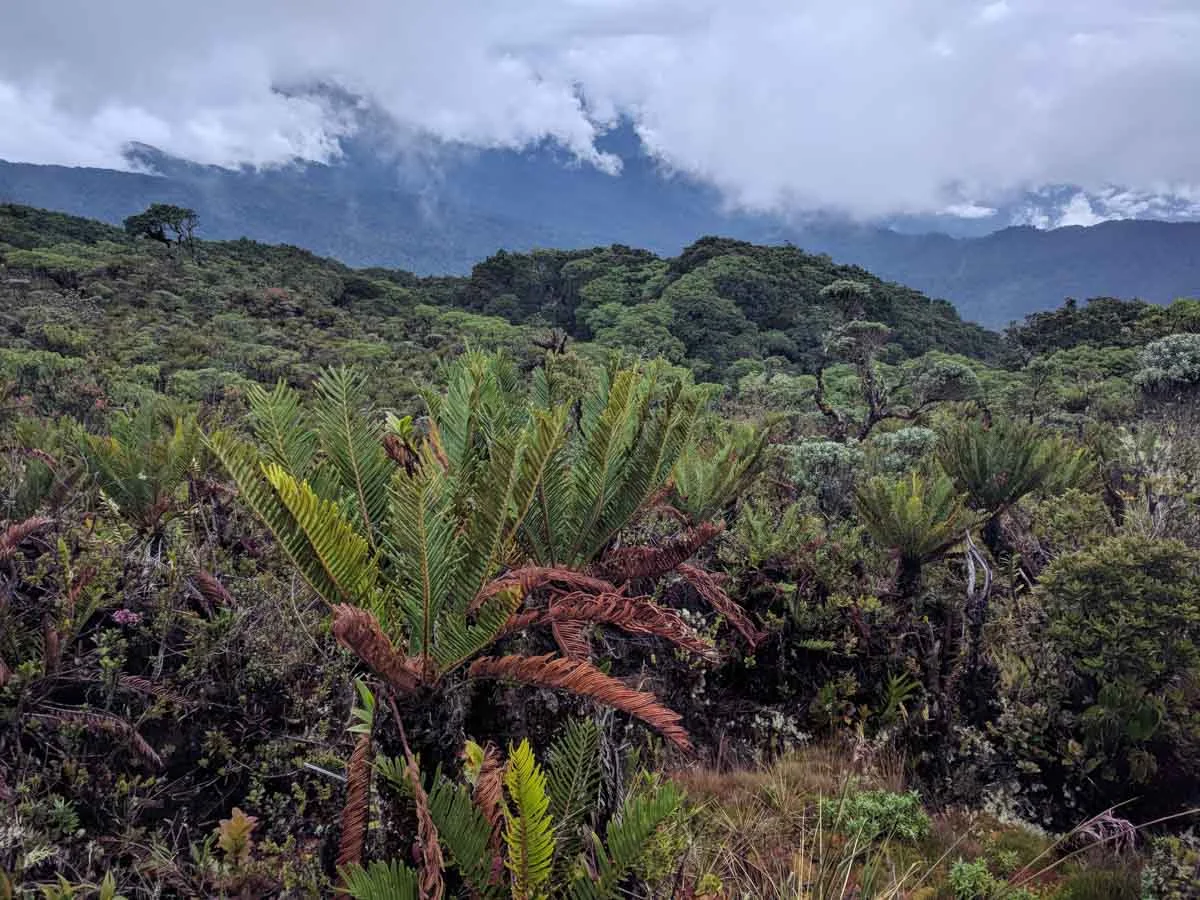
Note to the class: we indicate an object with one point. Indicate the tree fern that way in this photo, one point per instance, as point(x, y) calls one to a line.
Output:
point(528, 829)
point(709, 475)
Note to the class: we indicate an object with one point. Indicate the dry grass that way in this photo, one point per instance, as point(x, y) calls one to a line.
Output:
point(759, 834)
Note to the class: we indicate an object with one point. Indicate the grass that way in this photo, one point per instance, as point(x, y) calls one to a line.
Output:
point(824, 824)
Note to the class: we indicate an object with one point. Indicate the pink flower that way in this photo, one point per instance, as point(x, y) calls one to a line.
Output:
point(126, 617)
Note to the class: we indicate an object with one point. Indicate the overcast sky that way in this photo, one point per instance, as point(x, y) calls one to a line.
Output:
point(868, 107)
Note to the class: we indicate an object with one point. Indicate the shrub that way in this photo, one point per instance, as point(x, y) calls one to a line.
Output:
point(870, 815)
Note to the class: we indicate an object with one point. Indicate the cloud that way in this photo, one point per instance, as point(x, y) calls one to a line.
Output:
point(871, 108)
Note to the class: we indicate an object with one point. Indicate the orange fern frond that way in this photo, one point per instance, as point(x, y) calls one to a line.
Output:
point(431, 886)
point(489, 789)
point(98, 721)
point(15, 535)
point(530, 578)
point(582, 678)
point(360, 632)
point(627, 563)
point(710, 590)
point(572, 637)
point(357, 808)
point(636, 615)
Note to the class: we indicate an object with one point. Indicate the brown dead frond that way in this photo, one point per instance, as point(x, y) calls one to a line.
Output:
point(403, 455)
point(212, 592)
point(430, 884)
point(627, 563)
point(357, 808)
point(489, 790)
point(710, 590)
point(530, 578)
point(636, 615)
point(5, 673)
point(146, 686)
point(15, 535)
point(51, 649)
point(103, 722)
point(360, 632)
point(573, 637)
point(582, 678)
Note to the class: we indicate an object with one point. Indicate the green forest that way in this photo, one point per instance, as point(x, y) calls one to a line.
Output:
point(592, 574)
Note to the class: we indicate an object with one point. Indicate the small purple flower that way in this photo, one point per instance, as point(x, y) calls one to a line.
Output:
point(126, 617)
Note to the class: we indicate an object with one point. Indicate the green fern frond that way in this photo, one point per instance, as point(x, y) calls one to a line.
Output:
point(467, 834)
point(626, 840)
point(341, 555)
point(424, 547)
point(573, 780)
point(528, 829)
point(278, 421)
point(351, 436)
point(241, 461)
point(381, 881)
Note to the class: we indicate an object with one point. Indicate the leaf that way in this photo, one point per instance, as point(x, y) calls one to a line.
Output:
point(234, 836)
point(359, 631)
point(380, 881)
point(528, 832)
point(574, 784)
point(356, 809)
point(582, 678)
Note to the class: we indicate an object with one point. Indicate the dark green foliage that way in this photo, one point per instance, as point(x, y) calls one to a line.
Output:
point(1126, 608)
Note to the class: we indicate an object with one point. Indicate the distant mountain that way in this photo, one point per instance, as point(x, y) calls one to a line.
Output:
point(444, 212)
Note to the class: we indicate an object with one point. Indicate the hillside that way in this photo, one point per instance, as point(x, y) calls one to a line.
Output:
point(258, 311)
point(315, 578)
point(426, 218)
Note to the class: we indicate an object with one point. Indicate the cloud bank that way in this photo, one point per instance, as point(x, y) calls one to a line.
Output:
point(871, 108)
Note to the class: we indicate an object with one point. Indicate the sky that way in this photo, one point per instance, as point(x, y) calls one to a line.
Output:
point(868, 108)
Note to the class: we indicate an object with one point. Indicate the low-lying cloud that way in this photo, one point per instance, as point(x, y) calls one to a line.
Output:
point(870, 108)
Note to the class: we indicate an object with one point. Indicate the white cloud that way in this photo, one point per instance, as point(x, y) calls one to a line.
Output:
point(969, 211)
point(879, 107)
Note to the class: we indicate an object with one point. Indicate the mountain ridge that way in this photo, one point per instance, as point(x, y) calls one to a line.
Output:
point(444, 218)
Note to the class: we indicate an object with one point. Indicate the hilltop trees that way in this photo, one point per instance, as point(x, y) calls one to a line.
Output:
point(165, 223)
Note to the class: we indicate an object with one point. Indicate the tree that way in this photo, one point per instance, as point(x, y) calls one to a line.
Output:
point(1170, 366)
point(166, 223)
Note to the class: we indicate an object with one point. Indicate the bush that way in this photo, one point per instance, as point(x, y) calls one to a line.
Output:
point(1170, 365)
point(870, 815)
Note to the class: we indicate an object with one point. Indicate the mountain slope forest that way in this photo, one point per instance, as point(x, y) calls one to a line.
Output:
point(374, 210)
point(592, 574)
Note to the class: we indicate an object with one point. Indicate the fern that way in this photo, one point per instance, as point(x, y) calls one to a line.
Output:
point(351, 438)
point(625, 842)
point(466, 833)
point(574, 785)
point(380, 881)
point(528, 829)
point(336, 549)
point(279, 425)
